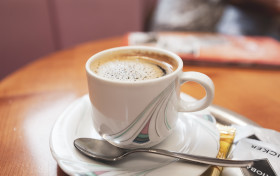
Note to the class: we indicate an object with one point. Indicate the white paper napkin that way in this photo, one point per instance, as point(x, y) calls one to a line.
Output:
point(255, 143)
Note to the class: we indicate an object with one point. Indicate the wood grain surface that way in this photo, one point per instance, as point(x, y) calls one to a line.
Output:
point(32, 98)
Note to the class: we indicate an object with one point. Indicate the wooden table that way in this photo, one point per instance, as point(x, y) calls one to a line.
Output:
point(32, 98)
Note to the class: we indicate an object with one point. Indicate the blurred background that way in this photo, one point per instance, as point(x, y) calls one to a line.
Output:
point(31, 29)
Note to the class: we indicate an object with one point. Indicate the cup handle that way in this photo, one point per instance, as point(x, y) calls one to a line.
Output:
point(205, 82)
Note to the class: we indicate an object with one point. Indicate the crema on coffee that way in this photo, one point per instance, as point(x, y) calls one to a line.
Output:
point(131, 68)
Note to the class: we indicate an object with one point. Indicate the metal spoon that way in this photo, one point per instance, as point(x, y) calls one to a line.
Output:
point(103, 150)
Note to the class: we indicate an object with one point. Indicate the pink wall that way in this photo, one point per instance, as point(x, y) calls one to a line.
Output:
point(79, 21)
point(25, 33)
point(31, 29)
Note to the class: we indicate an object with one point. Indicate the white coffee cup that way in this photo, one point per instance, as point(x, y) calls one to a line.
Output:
point(134, 114)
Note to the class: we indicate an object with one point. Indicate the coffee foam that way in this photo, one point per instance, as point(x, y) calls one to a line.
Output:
point(130, 68)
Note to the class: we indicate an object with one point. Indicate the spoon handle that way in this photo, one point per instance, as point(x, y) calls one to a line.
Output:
point(199, 159)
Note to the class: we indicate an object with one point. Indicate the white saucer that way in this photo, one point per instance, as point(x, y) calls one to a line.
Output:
point(195, 134)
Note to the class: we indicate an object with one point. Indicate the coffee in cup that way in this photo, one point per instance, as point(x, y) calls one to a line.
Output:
point(133, 67)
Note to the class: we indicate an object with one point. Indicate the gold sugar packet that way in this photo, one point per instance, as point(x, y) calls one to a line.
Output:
point(227, 134)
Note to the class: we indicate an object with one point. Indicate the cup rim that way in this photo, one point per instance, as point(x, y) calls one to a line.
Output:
point(147, 48)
